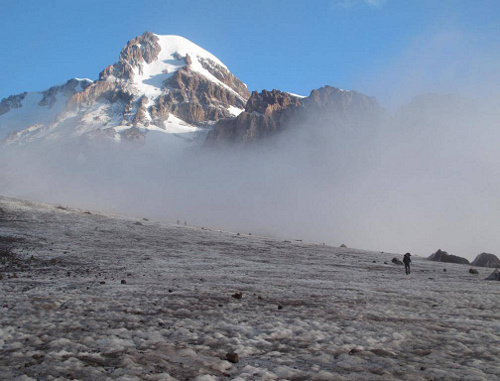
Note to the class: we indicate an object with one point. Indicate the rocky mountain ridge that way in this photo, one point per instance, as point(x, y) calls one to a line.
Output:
point(269, 112)
point(160, 83)
point(443, 256)
point(168, 85)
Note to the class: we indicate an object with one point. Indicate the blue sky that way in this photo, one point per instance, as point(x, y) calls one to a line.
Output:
point(368, 45)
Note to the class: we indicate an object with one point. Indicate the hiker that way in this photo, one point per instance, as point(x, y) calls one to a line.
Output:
point(407, 261)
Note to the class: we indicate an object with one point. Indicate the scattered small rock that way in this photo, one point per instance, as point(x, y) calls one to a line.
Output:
point(422, 368)
point(145, 219)
point(123, 281)
point(396, 261)
point(170, 291)
point(260, 297)
point(495, 275)
point(444, 270)
point(87, 212)
point(473, 271)
point(102, 282)
point(354, 351)
point(280, 307)
point(237, 295)
point(138, 223)
point(232, 357)
point(343, 245)
point(383, 353)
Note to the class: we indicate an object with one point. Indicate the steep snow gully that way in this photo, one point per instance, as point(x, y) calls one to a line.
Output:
point(96, 297)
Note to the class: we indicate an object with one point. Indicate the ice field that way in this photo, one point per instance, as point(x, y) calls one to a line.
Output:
point(307, 311)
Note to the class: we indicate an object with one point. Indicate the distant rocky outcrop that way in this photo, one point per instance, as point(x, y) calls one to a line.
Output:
point(270, 112)
point(495, 275)
point(139, 50)
point(14, 101)
point(266, 113)
point(70, 88)
point(443, 256)
point(486, 260)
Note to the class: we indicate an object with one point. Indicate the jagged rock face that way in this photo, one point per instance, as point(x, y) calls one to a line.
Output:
point(100, 91)
point(134, 135)
point(194, 99)
point(140, 118)
point(486, 260)
point(331, 101)
point(14, 101)
point(225, 76)
point(270, 112)
point(144, 48)
point(266, 113)
point(69, 89)
point(443, 256)
point(270, 102)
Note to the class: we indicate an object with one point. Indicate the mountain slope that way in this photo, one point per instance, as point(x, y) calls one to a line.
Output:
point(269, 112)
point(160, 83)
point(18, 112)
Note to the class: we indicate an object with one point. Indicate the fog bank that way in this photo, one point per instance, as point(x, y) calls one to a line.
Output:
point(423, 178)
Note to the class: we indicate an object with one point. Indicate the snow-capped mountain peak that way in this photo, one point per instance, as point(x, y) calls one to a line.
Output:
point(160, 83)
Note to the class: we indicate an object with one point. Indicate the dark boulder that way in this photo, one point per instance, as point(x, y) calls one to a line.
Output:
point(443, 256)
point(473, 271)
point(486, 260)
point(232, 357)
point(396, 261)
point(495, 275)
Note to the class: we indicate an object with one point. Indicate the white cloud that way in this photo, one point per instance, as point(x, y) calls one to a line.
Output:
point(358, 3)
point(375, 3)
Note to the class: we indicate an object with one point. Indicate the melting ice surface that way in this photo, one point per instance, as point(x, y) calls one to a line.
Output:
point(345, 314)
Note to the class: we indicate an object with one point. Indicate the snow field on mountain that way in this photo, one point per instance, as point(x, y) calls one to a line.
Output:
point(345, 314)
point(30, 113)
point(149, 80)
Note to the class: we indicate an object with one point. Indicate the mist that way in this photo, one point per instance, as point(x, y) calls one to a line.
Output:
point(420, 179)
point(419, 176)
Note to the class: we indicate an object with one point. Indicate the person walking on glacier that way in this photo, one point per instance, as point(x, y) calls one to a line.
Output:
point(407, 261)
